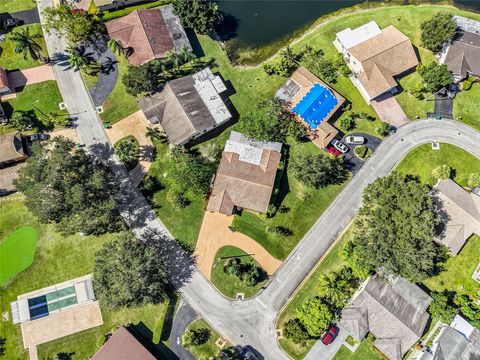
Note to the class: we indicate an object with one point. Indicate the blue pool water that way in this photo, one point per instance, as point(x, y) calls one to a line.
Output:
point(316, 105)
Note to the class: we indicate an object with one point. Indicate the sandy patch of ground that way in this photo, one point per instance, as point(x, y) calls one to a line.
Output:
point(215, 234)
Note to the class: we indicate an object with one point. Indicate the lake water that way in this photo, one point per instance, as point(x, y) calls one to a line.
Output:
point(259, 22)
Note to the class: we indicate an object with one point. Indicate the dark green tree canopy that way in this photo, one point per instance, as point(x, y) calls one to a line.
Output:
point(318, 170)
point(269, 122)
point(70, 189)
point(395, 230)
point(437, 30)
point(199, 15)
point(315, 316)
point(435, 76)
point(129, 272)
point(143, 79)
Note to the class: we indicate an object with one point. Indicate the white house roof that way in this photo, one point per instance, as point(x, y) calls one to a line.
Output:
point(349, 38)
point(462, 326)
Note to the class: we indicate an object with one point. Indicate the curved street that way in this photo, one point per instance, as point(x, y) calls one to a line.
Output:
point(248, 322)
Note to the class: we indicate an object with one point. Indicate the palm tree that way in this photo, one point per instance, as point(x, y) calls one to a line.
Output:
point(173, 59)
point(26, 44)
point(186, 55)
point(77, 57)
point(334, 288)
point(289, 55)
point(156, 134)
point(116, 47)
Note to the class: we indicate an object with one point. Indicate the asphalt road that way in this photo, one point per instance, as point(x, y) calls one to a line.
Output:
point(250, 322)
point(183, 317)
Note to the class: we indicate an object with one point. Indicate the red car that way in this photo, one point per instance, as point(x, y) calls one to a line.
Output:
point(333, 151)
point(330, 335)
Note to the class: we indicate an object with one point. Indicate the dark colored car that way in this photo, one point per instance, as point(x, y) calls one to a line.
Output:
point(11, 23)
point(330, 335)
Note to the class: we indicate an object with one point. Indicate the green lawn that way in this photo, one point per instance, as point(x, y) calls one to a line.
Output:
point(184, 224)
point(119, 104)
point(9, 59)
point(45, 96)
point(16, 5)
point(231, 285)
point(366, 351)
point(17, 252)
point(60, 258)
point(209, 349)
point(458, 271)
point(413, 107)
point(467, 106)
point(332, 261)
point(422, 160)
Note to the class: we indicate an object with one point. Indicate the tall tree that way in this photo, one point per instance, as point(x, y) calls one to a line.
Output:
point(78, 57)
point(334, 289)
point(23, 120)
point(199, 15)
point(69, 188)
point(116, 47)
point(143, 79)
point(435, 76)
point(269, 122)
point(315, 315)
point(395, 229)
point(156, 134)
point(26, 44)
point(318, 170)
point(438, 30)
point(129, 272)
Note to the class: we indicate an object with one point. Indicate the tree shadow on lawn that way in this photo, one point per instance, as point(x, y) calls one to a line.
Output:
point(145, 336)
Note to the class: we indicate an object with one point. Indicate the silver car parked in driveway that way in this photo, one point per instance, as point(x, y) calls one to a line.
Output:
point(337, 144)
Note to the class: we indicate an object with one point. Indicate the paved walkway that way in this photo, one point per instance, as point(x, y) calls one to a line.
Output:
point(135, 125)
point(215, 234)
point(389, 110)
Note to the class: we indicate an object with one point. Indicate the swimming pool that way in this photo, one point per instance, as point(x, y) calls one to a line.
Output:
point(316, 105)
point(43, 305)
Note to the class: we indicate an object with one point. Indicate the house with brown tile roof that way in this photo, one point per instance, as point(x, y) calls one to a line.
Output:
point(460, 211)
point(295, 89)
point(378, 59)
point(13, 149)
point(395, 312)
point(4, 85)
point(122, 345)
point(246, 175)
point(150, 34)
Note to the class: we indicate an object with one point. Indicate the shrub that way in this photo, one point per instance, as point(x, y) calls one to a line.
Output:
point(467, 83)
point(252, 276)
point(272, 209)
point(128, 151)
point(177, 199)
point(233, 267)
point(434, 76)
point(315, 315)
point(294, 330)
point(473, 180)
point(383, 129)
point(442, 172)
point(361, 151)
point(196, 337)
point(442, 307)
point(348, 123)
point(318, 170)
point(23, 120)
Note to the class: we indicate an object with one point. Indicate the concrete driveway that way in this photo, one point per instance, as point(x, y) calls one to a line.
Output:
point(327, 352)
point(389, 110)
point(354, 163)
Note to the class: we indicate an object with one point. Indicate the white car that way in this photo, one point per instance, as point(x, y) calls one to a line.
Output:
point(340, 146)
point(355, 140)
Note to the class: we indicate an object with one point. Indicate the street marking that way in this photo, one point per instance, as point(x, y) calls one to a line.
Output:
point(261, 303)
point(278, 279)
point(178, 341)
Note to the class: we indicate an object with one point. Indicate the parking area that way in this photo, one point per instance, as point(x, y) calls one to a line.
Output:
point(352, 162)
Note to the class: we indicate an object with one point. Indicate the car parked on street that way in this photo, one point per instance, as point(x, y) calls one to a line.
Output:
point(355, 140)
point(38, 137)
point(330, 335)
point(337, 144)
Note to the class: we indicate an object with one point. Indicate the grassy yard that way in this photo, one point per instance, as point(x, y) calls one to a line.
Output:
point(332, 261)
point(119, 104)
point(467, 106)
point(11, 6)
point(45, 96)
point(9, 59)
point(184, 224)
point(230, 285)
point(366, 351)
point(458, 271)
point(17, 252)
point(60, 258)
point(209, 349)
point(422, 160)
